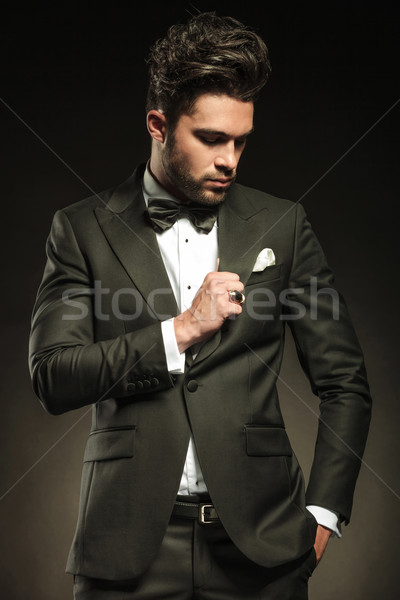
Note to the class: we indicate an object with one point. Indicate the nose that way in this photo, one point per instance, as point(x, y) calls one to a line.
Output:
point(227, 157)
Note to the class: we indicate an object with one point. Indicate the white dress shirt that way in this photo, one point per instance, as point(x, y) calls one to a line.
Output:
point(188, 256)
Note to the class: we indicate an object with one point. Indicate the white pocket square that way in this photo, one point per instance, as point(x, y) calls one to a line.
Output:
point(266, 258)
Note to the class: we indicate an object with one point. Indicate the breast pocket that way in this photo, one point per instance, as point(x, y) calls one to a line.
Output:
point(269, 274)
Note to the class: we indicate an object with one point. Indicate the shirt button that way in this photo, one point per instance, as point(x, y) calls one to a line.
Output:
point(192, 385)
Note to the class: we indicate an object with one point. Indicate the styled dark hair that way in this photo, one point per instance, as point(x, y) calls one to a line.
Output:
point(209, 54)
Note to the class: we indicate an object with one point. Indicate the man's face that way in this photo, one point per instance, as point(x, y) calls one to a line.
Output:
point(201, 156)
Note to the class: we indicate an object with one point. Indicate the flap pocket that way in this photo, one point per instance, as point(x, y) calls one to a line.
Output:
point(106, 444)
point(267, 441)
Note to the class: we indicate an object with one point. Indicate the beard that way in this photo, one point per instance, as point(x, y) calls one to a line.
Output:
point(182, 179)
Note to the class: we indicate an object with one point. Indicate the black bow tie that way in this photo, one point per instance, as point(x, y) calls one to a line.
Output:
point(164, 213)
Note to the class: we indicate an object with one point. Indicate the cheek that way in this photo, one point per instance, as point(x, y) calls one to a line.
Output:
point(194, 156)
point(199, 160)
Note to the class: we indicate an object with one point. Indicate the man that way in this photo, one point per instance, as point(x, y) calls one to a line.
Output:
point(163, 304)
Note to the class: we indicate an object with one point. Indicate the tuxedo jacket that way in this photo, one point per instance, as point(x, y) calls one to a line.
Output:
point(96, 339)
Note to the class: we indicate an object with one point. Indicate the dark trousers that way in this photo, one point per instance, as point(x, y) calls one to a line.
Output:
point(200, 562)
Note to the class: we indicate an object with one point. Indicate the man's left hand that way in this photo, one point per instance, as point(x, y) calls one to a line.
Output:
point(321, 541)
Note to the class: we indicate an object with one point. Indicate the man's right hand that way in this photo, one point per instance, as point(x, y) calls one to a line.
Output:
point(210, 308)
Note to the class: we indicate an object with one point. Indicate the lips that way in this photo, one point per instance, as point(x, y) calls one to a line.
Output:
point(221, 182)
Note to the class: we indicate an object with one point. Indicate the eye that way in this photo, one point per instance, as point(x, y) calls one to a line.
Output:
point(209, 141)
point(239, 143)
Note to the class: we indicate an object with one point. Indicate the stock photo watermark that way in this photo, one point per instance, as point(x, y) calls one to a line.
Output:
point(262, 303)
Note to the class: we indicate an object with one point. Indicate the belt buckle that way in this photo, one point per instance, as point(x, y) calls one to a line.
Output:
point(202, 516)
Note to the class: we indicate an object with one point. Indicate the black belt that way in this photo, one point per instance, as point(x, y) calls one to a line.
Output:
point(203, 512)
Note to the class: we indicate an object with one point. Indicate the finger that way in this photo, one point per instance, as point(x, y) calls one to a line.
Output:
point(224, 286)
point(220, 278)
point(234, 284)
point(235, 310)
point(224, 275)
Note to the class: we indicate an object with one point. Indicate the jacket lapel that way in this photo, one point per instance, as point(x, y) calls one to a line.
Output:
point(240, 231)
point(124, 224)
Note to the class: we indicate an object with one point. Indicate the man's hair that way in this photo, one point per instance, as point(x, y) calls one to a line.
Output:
point(209, 54)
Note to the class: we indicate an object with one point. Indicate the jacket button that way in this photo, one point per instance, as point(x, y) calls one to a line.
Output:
point(192, 385)
point(154, 382)
point(146, 383)
point(139, 385)
point(131, 387)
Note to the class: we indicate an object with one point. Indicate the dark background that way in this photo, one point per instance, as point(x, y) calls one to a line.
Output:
point(74, 75)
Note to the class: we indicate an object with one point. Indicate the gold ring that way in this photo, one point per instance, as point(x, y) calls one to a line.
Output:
point(236, 297)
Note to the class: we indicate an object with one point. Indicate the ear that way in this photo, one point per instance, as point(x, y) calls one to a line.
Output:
point(157, 125)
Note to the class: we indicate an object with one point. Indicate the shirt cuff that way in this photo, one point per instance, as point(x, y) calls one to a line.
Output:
point(175, 360)
point(327, 518)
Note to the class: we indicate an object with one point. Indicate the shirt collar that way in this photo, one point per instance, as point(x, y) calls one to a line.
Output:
point(151, 188)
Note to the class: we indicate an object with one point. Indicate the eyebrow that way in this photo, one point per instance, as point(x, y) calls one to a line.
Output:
point(205, 131)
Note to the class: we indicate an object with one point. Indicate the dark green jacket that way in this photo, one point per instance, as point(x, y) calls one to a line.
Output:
point(96, 339)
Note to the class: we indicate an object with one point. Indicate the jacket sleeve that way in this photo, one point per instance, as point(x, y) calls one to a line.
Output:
point(331, 357)
point(69, 369)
